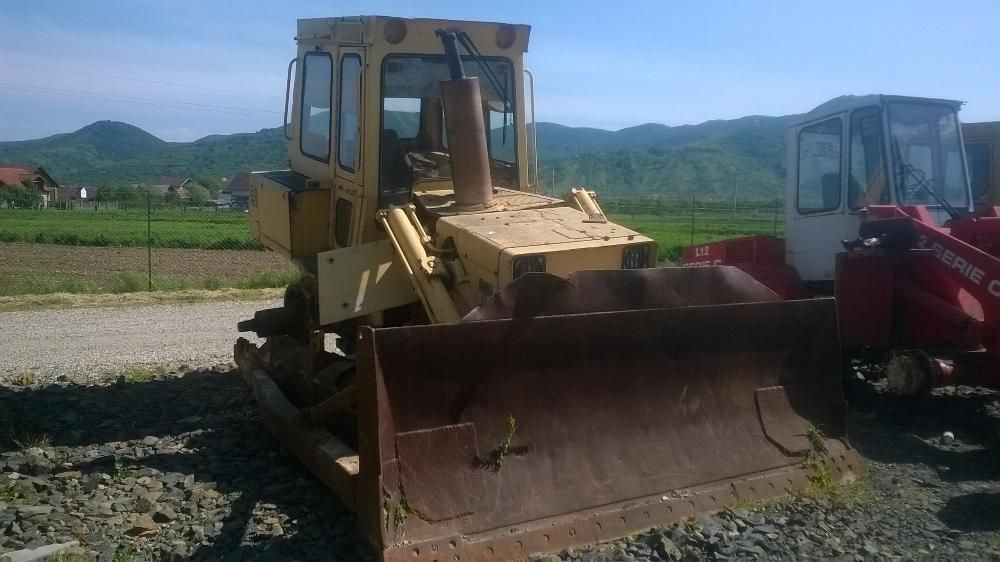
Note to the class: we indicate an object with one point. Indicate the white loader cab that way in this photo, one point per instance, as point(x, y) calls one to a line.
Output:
point(856, 151)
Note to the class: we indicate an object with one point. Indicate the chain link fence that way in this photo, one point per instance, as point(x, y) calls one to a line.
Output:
point(676, 223)
point(112, 247)
point(149, 245)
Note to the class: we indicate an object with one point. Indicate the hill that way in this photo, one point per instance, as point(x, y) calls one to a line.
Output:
point(706, 160)
point(649, 159)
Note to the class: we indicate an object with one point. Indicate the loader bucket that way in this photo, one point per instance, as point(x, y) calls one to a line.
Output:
point(563, 413)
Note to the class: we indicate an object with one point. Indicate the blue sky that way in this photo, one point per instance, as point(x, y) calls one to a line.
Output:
point(608, 65)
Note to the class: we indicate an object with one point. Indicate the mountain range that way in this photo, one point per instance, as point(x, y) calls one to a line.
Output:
point(706, 160)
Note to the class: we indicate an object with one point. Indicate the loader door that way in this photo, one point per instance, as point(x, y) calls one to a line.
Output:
point(839, 169)
point(347, 159)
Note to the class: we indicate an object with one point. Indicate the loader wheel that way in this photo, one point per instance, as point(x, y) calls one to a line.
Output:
point(911, 373)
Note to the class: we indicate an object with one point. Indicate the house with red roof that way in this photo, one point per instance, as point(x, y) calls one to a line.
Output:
point(19, 175)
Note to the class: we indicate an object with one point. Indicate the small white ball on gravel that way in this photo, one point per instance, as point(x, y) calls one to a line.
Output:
point(948, 436)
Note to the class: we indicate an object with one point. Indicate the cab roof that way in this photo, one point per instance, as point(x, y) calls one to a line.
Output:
point(842, 104)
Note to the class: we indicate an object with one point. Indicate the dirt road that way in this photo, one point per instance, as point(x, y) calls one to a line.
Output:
point(86, 343)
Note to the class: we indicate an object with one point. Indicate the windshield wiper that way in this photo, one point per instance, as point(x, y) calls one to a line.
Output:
point(491, 77)
point(920, 179)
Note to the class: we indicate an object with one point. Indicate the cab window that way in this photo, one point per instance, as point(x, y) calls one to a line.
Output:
point(819, 167)
point(977, 154)
point(349, 127)
point(413, 143)
point(314, 119)
point(867, 181)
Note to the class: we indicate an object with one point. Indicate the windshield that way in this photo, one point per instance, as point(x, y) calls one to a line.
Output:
point(927, 154)
point(414, 144)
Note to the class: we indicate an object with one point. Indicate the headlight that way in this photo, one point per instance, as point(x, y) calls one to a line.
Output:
point(528, 264)
point(635, 256)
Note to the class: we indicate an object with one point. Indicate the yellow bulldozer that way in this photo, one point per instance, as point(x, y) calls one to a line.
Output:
point(483, 372)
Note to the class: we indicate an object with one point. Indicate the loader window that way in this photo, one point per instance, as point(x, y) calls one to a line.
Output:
point(927, 154)
point(414, 145)
point(349, 127)
point(314, 120)
point(819, 167)
point(866, 184)
point(977, 154)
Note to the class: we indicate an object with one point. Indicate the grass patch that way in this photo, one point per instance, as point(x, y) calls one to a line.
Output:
point(672, 227)
point(13, 494)
point(673, 230)
point(124, 553)
point(268, 279)
point(822, 484)
point(170, 228)
point(123, 470)
point(29, 283)
point(93, 300)
point(139, 374)
point(31, 440)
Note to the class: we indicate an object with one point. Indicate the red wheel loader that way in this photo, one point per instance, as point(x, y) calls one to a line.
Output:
point(486, 373)
point(879, 213)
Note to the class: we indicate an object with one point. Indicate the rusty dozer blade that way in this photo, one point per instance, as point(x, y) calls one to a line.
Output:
point(562, 413)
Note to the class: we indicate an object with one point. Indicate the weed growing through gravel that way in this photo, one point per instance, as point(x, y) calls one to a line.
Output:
point(819, 475)
point(13, 495)
point(399, 515)
point(123, 470)
point(8, 494)
point(31, 440)
point(124, 553)
point(138, 374)
point(822, 484)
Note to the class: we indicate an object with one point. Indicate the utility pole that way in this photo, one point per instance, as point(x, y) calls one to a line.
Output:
point(553, 180)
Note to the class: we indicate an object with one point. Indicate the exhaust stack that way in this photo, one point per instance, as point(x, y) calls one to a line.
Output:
point(470, 161)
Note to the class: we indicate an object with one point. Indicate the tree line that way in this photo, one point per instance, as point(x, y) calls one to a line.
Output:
point(25, 195)
point(198, 193)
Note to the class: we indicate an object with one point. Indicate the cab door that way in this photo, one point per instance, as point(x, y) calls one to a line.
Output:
point(839, 169)
point(347, 159)
point(311, 144)
point(816, 206)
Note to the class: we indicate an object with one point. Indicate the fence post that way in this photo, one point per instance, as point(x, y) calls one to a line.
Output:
point(692, 219)
point(149, 241)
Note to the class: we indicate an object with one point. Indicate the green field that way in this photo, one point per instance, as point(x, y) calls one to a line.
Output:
point(673, 231)
point(79, 251)
point(208, 230)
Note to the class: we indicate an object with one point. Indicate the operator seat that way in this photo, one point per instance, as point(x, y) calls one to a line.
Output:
point(395, 181)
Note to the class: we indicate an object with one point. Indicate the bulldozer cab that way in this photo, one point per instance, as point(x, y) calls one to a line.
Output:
point(855, 151)
point(366, 117)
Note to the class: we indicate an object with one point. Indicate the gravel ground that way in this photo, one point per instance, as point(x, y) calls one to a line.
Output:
point(179, 468)
point(89, 343)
